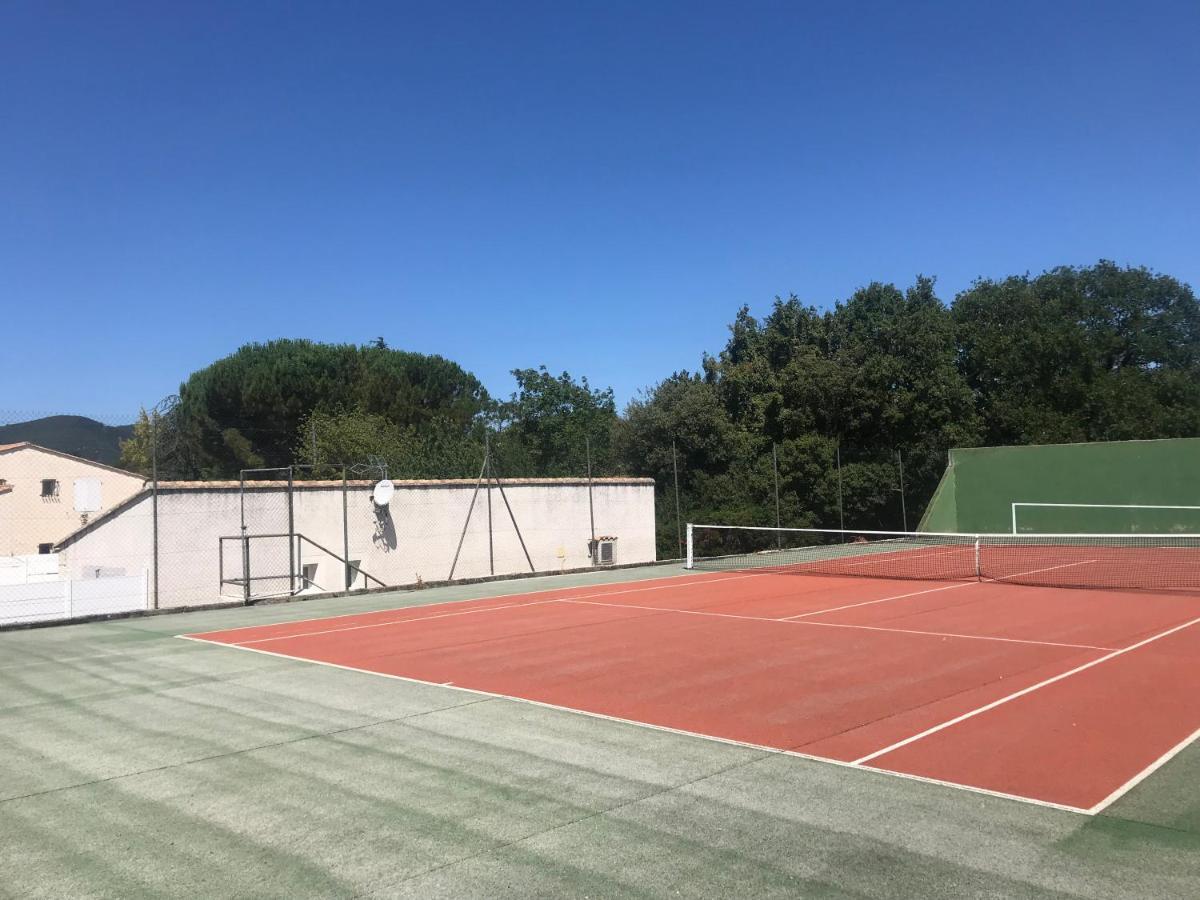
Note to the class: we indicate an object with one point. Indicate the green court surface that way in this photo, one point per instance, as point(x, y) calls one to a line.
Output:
point(136, 764)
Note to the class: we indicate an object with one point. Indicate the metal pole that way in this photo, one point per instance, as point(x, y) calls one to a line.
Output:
point(467, 523)
point(841, 509)
point(154, 495)
point(903, 510)
point(587, 445)
point(291, 535)
point(678, 517)
point(775, 467)
point(245, 543)
point(245, 567)
point(346, 526)
point(516, 527)
point(487, 460)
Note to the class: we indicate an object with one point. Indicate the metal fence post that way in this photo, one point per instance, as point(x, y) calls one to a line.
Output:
point(487, 459)
point(291, 533)
point(154, 496)
point(678, 517)
point(346, 526)
point(775, 469)
point(245, 566)
point(841, 508)
point(587, 446)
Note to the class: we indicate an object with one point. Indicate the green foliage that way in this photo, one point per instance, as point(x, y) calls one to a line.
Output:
point(436, 449)
point(838, 396)
point(137, 449)
point(873, 376)
point(545, 425)
point(244, 411)
point(1088, 354)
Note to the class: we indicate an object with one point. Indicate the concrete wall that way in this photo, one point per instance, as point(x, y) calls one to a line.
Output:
point(413, 539)
point(28, 519)
point(982, 483)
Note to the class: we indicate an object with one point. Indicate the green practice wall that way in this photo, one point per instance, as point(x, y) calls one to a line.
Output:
point(980, 484)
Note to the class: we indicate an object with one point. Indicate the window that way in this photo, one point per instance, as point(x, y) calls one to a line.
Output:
point(49, 487)
point(45, 548)
point(310, 576)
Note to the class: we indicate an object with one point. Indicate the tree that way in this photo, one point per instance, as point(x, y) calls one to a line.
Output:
point(137, 451)
point(243, 411)
point(546, 423)
point(1082, 354)
point(156, 444)
point(873, 376)
point(436, 449)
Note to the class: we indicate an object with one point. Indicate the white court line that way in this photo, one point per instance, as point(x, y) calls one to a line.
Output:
point(944, 634)
point(817, 612)
point(461, 612)
point(1021, 693)
point(652, 727)
point(1145, 773)
point(948, 587)
point(693, 575)
point(950, 634)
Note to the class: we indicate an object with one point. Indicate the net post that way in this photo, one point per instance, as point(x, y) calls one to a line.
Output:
point(690, 552)
point(978, 568)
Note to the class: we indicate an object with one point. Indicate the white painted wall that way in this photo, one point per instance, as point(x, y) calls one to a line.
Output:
point(415, 538)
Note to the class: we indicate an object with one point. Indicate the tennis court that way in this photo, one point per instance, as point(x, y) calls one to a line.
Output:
point(1058, 671)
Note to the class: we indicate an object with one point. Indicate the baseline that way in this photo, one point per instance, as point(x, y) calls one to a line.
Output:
point(766, 750)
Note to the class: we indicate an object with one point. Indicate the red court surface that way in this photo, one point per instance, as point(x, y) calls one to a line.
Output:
point(1052, 695)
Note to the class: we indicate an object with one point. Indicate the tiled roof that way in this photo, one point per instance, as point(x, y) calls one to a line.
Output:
point(414, 482)
point(4, 448)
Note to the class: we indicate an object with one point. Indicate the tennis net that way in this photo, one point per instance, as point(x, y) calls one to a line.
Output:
point(1115, 562)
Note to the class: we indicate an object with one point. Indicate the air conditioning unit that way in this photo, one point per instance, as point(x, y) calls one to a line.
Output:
point(603, 551)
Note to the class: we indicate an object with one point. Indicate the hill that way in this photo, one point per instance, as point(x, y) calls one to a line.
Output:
point(76, 435)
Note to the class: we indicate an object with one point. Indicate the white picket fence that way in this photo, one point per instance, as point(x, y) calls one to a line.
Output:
point(68, 599)
point(29, 568)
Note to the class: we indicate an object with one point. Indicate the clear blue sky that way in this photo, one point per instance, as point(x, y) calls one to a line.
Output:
point(592, 186)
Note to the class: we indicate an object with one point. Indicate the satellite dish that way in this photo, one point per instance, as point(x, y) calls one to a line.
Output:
point(382, 495)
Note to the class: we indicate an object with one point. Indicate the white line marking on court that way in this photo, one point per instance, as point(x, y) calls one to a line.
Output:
point(951, 634)
point(817, 612)
point(652, 727)
point(691, 575)
point(1021, 693)
point(1145, 773)
point(462, 612)
point(943, 634)
point(948, 587)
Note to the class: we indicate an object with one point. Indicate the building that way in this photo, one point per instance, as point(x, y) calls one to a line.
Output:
point(46, 494)
point(189, 536)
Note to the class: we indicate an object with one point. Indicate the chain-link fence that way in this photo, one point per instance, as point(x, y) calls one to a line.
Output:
point(81, 536)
